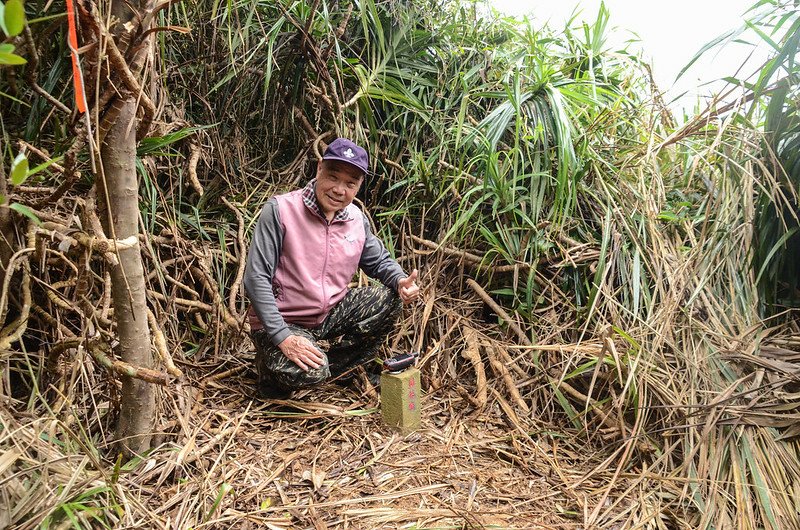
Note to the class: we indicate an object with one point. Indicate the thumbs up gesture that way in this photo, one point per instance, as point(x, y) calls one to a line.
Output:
point(407, 288)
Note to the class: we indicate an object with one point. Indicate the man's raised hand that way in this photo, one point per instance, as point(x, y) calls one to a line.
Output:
point(301, 352)
point(407, 288)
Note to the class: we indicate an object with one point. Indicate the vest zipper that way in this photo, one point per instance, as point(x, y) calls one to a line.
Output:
point(325, 264)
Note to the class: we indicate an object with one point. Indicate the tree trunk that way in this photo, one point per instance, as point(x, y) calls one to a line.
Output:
point(118, 154)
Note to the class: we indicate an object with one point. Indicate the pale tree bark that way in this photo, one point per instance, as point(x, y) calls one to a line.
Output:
point(137, 401)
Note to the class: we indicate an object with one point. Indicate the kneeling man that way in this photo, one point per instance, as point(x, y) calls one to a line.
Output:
point(307, 246)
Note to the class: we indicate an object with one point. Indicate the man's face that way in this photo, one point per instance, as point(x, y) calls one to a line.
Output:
point(337, 185)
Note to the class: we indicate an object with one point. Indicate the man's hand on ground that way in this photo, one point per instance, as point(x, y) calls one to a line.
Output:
point(407, 288)
point(301, 352)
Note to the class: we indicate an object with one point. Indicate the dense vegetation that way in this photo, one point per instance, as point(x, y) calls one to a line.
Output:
point(638, 275)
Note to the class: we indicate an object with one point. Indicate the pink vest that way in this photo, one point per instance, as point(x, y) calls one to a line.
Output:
point(317, 261)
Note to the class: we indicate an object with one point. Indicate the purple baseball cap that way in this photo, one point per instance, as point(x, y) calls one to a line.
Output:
point(345, 150)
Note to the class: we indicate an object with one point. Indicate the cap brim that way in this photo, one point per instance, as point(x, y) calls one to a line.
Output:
point(347, 161)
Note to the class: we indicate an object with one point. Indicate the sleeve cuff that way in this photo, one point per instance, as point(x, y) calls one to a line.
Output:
point(280, 336)
point(396, 282)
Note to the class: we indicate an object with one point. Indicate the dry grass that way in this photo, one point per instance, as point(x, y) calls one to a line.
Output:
point(679, 423)
point(321, 460)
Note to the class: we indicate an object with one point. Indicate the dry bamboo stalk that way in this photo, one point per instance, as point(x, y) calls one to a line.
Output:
point(200, 395)
point(193, 304)
point(472, 354)
point(499, 311)
point(99, 244)
point(12, 265)
point(14, 331)
point(181, 285)
point(120, 66)
point(501, 371)
point(194, 158)
point(609, 345)
point(395, 165)
point(53, 322)
point(58, 300)
point(581, 347)
point(42, 154)
point(211, 288)
point(59, 347)
point(95, 227)
point(310, 130)
point(73, 238)
point(161, 345)
point(469, 397)
point(467, 256)
point(105, 305)
point(162, 265)
point(209, 445)
point(510, 362)
point(226, 373)
point(237, 282)
point(123, 368)
point(426, 314)
point(592, 405)
point(473, 260)
point(508, 409)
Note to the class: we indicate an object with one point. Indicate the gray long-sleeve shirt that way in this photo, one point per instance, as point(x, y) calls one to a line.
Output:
point(264, 255)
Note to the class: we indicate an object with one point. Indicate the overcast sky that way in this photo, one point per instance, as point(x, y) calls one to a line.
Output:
point(670, 33)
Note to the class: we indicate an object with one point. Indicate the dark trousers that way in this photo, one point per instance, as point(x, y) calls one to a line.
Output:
point(355, 329)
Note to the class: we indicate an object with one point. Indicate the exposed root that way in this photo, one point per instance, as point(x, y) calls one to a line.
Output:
point(472, 353)
point(501, 371)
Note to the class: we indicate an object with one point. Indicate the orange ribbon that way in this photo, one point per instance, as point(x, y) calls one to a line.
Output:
point(77, 77)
